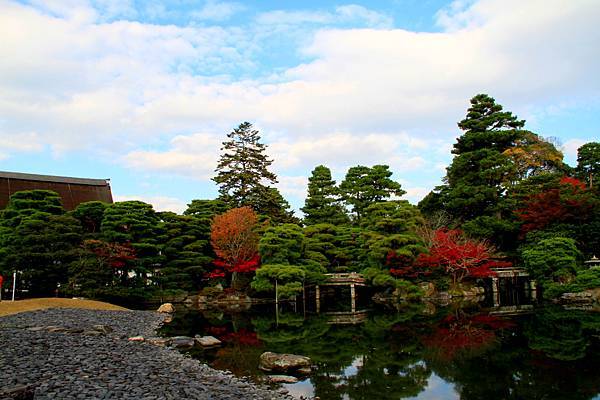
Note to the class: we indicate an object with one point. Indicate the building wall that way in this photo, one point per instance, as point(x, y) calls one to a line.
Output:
point(72, 194)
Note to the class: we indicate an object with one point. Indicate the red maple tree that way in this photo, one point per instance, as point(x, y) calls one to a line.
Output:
point(460, 256)
point(405, 267)
point(114, 255)
point(570, 201)
point(235, 242)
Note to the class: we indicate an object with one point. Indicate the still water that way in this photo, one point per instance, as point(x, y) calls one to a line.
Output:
point(416, 352)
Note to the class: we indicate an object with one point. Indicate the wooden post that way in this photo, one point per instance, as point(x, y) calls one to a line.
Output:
point(318, 298)
point(533, 286)
point(353, 297)
point(495, 290)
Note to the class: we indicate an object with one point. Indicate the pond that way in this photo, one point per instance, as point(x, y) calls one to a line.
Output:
point(418, 352)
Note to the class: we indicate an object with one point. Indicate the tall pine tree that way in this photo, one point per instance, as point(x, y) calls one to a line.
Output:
point(481, 171)
point(322, 204)
point(243, 175)
point(363, 186)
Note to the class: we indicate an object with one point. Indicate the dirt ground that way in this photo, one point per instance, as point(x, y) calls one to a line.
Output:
point(8, 307)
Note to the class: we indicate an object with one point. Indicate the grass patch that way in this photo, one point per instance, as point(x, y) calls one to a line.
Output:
point(13, 307)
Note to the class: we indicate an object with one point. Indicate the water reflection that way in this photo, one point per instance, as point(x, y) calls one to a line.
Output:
point(419, 351)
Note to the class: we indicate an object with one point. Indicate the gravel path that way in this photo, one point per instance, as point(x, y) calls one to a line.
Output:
point(84, 365)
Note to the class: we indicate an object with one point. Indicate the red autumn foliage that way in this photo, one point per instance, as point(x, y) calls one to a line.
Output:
point(464, 335)
point(222, 268)
point(235, 241)
point(403, 266)
point(460, 256)
point(113, 254)
point(570, 201)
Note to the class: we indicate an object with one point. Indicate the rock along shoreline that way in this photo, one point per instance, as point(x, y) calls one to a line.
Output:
point(72, 362)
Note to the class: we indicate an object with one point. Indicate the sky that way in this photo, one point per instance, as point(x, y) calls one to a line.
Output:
point(144, 92)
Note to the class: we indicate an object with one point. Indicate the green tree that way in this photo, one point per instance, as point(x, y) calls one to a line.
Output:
point(363, 186)
point(90, 214)
point(137, 224)
point(390, 230)
point(38, 239)
point(555, 259)
point(285, 258)
point(588, 161)
point(243, 173)
point(486, 162)
point(270, 203)
point(322, 205)
point(187, 251)
point(206, 209)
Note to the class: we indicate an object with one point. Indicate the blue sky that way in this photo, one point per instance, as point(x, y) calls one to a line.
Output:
point(144, 92)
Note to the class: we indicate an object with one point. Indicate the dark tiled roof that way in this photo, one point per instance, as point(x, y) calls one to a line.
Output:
point(50, 178)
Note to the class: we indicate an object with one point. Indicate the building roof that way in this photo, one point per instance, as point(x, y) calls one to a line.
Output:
point(51, 178)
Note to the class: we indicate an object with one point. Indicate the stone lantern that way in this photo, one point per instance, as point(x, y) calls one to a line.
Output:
point(593, 262)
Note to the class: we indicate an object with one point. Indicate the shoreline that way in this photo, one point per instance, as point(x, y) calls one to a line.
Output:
point(72, 363)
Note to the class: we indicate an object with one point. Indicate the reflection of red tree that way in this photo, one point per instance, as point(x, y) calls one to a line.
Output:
point(242, 337)
point(217, 331)
point(464, 335)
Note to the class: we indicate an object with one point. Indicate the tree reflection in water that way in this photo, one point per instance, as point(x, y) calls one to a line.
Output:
point(551, 354)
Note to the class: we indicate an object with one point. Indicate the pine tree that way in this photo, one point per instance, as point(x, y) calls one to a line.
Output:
point(363, 186)
point(38, 239)
point(243, 168)
point(482, 169)
point(322, 203)
point(588, 162)
point(135, 223)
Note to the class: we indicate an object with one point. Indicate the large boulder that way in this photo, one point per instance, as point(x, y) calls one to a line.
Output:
point(274, 362)
point(166, 308)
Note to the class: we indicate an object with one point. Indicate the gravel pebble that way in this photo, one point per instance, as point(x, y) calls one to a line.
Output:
point(70, 364)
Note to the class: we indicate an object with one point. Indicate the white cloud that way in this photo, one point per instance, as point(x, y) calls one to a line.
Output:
point(194, 156)
point(366, 96)
point(344, 14)
point(342, 150)
point(217, 10)
point(570, 147)
point(415, 194)
point(293, 186)
point(160, 203)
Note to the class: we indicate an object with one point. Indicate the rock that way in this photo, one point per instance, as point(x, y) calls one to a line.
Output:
point(428, 289)
point(36, 328)
point(304, 371)
point(54, 328)
point(281, 379)
point(282, 362)
point(90, 332)
point(207, 341)
point(159, 341)
point(20, 392)
point(136, 339)
point(166, 308)
point(576, 298)
point(182, 342)
point(105, 329)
